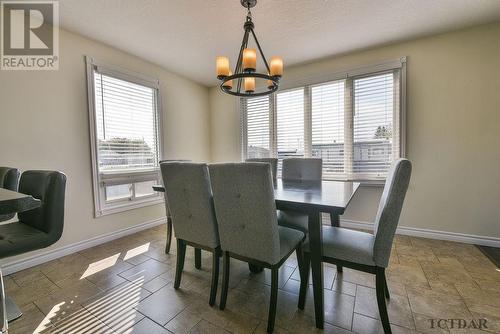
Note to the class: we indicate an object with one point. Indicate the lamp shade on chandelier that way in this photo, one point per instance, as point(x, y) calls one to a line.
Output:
point(242, 82)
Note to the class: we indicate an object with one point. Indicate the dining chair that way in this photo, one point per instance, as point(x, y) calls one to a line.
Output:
point(364, 251)
point(272, 161)
point(9, 178)
point(302, 169)
point(169, 219)
point(248, 228)
point(191, 207)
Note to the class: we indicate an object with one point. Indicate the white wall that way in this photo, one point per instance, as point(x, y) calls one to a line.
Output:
point(44, 125)
point(453, 129)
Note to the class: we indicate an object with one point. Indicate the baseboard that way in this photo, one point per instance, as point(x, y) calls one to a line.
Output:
point(431, 234)
point(42, 257)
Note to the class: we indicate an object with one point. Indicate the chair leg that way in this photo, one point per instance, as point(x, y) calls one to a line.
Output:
point(225, 280)
point(273, 300)
point(169, 235)
point(215, 277)
point(181, 254)
point(197, 258)
point(380, 291)
point(335, 222)
point(304, 279)
point(386, 290)
point(300, 261)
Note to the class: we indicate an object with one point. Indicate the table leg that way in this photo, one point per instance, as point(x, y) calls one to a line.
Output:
point(316, 265)
point(197, 258)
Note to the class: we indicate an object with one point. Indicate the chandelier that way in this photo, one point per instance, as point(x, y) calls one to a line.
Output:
point(245, 71)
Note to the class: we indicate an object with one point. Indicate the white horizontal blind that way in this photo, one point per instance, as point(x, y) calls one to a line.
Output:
point(290, 124)
point(257, 127)
point(374, 101)
point(327, 123)
point(126, 123)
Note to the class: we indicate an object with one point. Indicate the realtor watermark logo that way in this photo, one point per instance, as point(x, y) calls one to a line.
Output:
point(29, 35)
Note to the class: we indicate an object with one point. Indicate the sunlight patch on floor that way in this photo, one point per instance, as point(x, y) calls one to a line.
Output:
point(136, 251)
point(97, 266)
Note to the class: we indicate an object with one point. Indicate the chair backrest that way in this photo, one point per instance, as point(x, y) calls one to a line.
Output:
point(163, 181)
point(187, 187)
point(389, 210)
point(9, 178)
point(49, 187)
point(302, 169)
point(272, 161)
point(246, 211)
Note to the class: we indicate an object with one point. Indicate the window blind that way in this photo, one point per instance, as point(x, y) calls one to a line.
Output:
point(257, 127)
point(327, 123)
point(126, 124)
point(290, 124)
point(374, 103)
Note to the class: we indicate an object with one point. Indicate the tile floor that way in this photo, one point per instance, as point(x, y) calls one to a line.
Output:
point(125, 286)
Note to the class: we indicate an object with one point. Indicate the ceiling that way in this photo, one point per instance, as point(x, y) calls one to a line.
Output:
point(185, 36)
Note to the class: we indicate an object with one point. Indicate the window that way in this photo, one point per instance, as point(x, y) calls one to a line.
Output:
point(125, 138)
point(354, 122)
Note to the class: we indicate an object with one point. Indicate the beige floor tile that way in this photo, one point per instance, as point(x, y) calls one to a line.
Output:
point(338, 308)
point(357, 277)
point(409, 275)
point(366, 325)
point(398, 307)
point(344, 287)
point(145, 271)
point(32, 321)
point(437, 305)
point(424, 324)
point(81, 321)
point(33, 290)
point(156, 308)
point(205, 327)
point(145, 326)
point(183, 322)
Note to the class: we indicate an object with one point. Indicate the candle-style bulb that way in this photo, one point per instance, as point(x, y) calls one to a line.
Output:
point(249, 60)
point(249, 84)
point(276, 66)
point(222, 67)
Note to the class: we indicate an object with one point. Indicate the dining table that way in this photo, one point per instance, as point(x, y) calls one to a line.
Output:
point(12, 202)
point(312, 198)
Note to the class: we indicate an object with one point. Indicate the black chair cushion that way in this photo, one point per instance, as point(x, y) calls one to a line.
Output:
point(17, 238)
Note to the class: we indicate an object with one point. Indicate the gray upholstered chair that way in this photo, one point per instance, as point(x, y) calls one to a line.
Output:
point(192, 211)
point(363, 251)
point(169, 219)
point(298, 169)
point(9, 178)
point(272, 161)
point(248, 228)
point(302, 169)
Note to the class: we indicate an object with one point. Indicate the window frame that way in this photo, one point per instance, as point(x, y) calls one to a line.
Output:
point(349, 76)
point(107, 178)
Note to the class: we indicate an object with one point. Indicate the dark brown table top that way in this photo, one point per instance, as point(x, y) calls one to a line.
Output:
point(13, 202)
point(327, 196)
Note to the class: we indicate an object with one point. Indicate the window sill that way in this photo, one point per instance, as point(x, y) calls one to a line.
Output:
point(122, 207)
